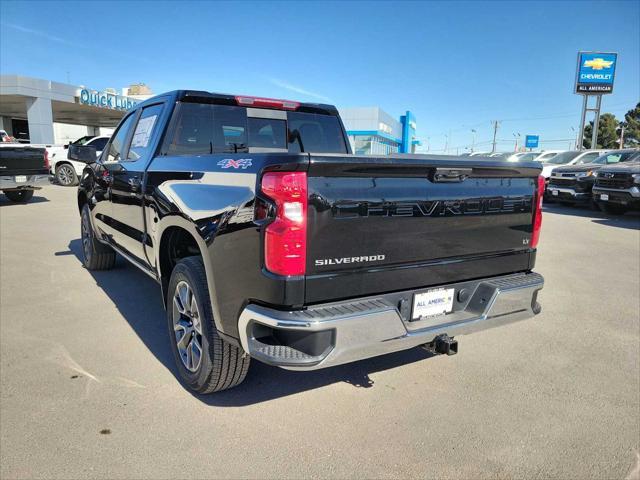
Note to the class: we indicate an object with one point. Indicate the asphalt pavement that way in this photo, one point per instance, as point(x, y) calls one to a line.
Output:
point(88, 387)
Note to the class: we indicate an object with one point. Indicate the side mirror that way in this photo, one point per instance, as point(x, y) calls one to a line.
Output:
point(81, 153)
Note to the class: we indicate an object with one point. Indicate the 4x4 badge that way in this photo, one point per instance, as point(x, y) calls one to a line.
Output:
point(242, 163)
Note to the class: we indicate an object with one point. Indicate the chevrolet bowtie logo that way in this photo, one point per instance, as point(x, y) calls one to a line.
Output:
point(598, 63)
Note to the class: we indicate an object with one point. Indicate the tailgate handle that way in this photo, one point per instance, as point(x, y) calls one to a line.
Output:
point(451, 174)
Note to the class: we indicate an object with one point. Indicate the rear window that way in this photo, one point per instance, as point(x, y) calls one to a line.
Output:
point(267, 133)
point(311, 132)
point(201, 129)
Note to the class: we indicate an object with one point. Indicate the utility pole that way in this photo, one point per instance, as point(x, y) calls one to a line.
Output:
point(496, 124)
point(517, 137)
point(622, 136)
point(577, 143)
point(446, 143)
point(473, 139)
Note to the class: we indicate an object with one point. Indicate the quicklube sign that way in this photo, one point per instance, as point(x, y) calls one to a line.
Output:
point(106, 100)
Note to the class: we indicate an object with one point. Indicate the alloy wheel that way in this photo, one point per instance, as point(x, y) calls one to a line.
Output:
point(65, 175)
point(85, 230)
point(187, 326)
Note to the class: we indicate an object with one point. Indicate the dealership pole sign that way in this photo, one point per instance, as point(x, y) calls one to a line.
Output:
point(595, 73)
point(594, 78)
point(106, 100)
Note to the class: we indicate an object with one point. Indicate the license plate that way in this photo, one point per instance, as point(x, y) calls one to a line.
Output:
point(432, 302)
point(554, 193)
point(604, 196)
point(21, 178)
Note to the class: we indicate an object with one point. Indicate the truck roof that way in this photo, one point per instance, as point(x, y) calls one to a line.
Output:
point(200, 96)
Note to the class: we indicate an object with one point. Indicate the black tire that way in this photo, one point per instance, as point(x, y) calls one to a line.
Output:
point(19, 196)
point(95, 255)
point(614, 209)
point(221, 365)
point(66, 175)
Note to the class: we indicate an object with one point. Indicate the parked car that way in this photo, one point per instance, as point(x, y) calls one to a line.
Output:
point(547, 155)
point(617, 187)
point(23, 169)
point(523, 157)
point(573, 183)
point(6, 138)
point(67, 171)
point(569, 157)
point(271, 241)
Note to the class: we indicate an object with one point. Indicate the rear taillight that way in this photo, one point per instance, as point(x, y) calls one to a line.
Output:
point(46, 159)
point(537, 212)
point(267, 103)
point(285, 248)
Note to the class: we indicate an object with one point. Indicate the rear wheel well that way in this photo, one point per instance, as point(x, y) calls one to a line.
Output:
point(176, 243)
point(62, 162)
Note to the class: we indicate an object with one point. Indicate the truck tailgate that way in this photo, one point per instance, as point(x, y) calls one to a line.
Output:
point(16, 160)
point(379, 224)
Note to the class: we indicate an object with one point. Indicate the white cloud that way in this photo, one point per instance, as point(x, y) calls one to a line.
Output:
point(296, 89)
point(37, 33)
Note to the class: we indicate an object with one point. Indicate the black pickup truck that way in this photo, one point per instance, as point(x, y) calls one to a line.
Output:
point(270, 240)
point(572, 184)
point(23, 169)
point(617, 187)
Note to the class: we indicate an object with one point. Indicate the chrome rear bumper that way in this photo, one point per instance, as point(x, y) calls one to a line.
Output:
point(375, 326)
point(30, 182)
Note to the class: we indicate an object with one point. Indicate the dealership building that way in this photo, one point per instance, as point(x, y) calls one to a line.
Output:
point(47, 112)
point(372, 131)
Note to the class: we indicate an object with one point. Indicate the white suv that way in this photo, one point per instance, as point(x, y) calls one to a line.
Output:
point(68, 171)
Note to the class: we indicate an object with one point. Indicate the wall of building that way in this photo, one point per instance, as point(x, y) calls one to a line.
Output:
point(64, 133)
point(372, 131)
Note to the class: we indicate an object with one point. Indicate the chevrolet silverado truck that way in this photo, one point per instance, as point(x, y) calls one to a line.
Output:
point(270, 240)
point(23, 169)
point(572, 184)
point(617, 187)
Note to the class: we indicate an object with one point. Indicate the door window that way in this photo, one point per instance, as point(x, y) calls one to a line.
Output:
point(141, 140)
point(99, 143)
point(117, 145)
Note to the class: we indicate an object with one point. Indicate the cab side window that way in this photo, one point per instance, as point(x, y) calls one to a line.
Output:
point(141, 140)
point(589, 157)
point(117, 145)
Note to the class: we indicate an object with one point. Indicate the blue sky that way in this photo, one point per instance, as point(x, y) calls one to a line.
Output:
point(457, 66)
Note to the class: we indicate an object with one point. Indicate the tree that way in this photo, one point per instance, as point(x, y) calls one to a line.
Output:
point(632, 127)
point(607, 132)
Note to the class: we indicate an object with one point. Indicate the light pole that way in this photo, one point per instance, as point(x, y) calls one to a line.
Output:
point(577, 144)
point(496, 124)
point(517, 138)
point(446, 143)
point(473, 139)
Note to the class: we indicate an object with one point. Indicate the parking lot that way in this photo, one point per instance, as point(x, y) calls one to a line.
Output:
point(89, 388)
